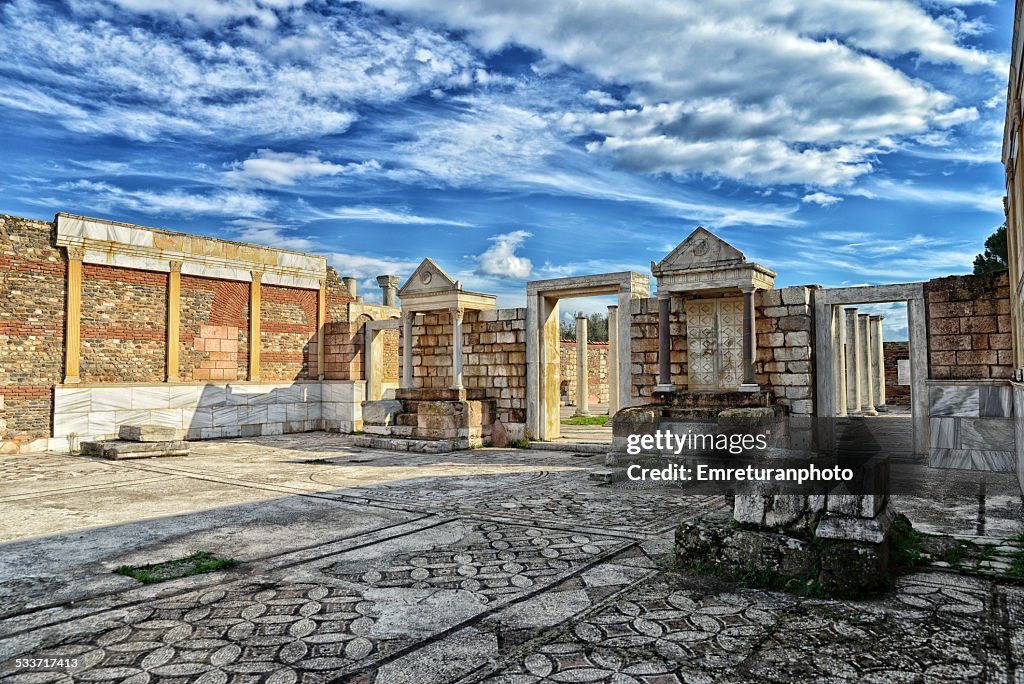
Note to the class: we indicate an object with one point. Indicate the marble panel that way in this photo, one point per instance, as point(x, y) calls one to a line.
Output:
point(151, 397)
point(111, 398)
point(296, 412)
point(101, 424)
point(166, 418)
point(990, 434)
point(276, 413)
point(225, 415)
point(995, 402)
point(184, 396)
point(273, 428)
point(201, 418)
point(212, 396)
point(131, 418)
point(945, 433)
point(72, 400)
point(65, 424)
point(953, 400)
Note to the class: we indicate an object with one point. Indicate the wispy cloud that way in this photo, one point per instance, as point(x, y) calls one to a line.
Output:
point(381, 215)
point(821, 198)
point(286, 168)
point(176, 202)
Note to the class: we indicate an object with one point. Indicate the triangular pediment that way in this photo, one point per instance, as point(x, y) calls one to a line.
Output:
point(429, 277)
point(701, 249)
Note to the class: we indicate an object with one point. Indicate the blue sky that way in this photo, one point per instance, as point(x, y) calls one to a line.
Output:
point(840, 143)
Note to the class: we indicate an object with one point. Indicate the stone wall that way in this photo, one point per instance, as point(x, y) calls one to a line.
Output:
point(288, 324)
point(494, 366)
point(969, 335)
point(597, 371)
point(432, 351)
point(785, 354)
point(124, 318)
point(895, 394)
point(32, 287)
point(644, 345)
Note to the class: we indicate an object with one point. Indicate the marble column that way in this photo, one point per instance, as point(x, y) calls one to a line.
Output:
point(664, 344)
point(613, 360)
point(749, 342)
point(852, 353)
point(582, 368)
point(73, 318)
point(457, 349)
point(407, 318)
point(839, 345)
point(173, 319)
point(878, 346)
point(254, 326)
point(867, 402)
point(388, 288)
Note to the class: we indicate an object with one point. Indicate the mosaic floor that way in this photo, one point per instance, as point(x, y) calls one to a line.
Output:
point(482, 566)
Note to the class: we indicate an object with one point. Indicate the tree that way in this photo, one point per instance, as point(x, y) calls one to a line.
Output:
point(597, 327)
point(996, 256)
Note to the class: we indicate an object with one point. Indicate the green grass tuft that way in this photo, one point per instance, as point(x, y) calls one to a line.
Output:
point(587, 420)
point(196, 564)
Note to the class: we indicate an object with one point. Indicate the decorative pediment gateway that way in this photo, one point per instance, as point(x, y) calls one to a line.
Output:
point(429, 277)
point(429, 288)
point(704, 261)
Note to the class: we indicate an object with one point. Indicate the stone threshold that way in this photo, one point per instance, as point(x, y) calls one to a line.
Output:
point(572, 447)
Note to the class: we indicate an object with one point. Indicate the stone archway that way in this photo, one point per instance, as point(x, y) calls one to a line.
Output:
point(542, 338)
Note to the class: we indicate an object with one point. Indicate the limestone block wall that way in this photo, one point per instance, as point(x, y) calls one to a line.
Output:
point(32, 287)
point(124, 316)
point(969, 334)
point(895, 394)
point(432, 351)
point(785, 354)
point(494, 366)
point(597, 371)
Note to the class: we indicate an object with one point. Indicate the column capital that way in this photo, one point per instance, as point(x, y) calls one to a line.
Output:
point(664, 294)
point(457, 313)
point(613, 307)
point(748, 289)
point(75, 253)
point(257, 276)
point(174, 266)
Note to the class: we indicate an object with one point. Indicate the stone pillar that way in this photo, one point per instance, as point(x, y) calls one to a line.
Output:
point(351, 285)
point(388, 289)
point(839, 345)
point(407, 318)
point(749, 343)
point(867, 403)
point(456, 348)
point(613, 360)
point(664, 344)
point(852, 353)
point(254, 326)
point(582, 370)
point(321, 331)
point(173, 319)
point(878, 345)
point(73, 318)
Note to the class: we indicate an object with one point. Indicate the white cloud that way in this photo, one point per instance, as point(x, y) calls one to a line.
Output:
point(500, 259)
point(365, 267)
point(821, 198)
point(982, 199)
point(227, 203)
point(762, 92)
point(379, 215)
point(285, 168)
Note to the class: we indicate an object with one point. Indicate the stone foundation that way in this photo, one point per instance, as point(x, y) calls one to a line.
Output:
point(429, 415)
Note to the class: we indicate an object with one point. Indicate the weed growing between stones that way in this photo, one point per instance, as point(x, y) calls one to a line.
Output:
point(196, 564)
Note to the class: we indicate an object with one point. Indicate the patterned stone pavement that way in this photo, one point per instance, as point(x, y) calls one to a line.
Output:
point(483, 566)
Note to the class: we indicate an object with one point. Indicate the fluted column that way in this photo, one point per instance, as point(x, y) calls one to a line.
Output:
point(73, 318)
point(173, 319)
point(582, 370)
point(878, 346)
point(852, 352)
point(867, 402)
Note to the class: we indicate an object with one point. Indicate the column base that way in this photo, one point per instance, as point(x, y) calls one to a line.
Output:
point(172, 380)
point(581, 414)
point(750, 387)
point(72, 380)
point(869, 412)
point(664, 388)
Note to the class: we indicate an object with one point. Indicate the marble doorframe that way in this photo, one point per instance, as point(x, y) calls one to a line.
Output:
point(828, 305)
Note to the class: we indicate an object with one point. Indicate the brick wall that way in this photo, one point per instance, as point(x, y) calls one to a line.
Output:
point(287, 330)
point(124, 317)
point(205, 303)
point(895, 394)
point(597, 371)
point(494, 362)
point(969, 327)
point(32, 287)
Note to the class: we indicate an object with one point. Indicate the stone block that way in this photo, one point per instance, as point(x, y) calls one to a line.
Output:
point(147, 433)
point(381, 412)
point(797, 294)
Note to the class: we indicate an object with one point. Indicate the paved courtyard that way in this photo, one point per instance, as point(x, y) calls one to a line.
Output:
point(486, 565)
